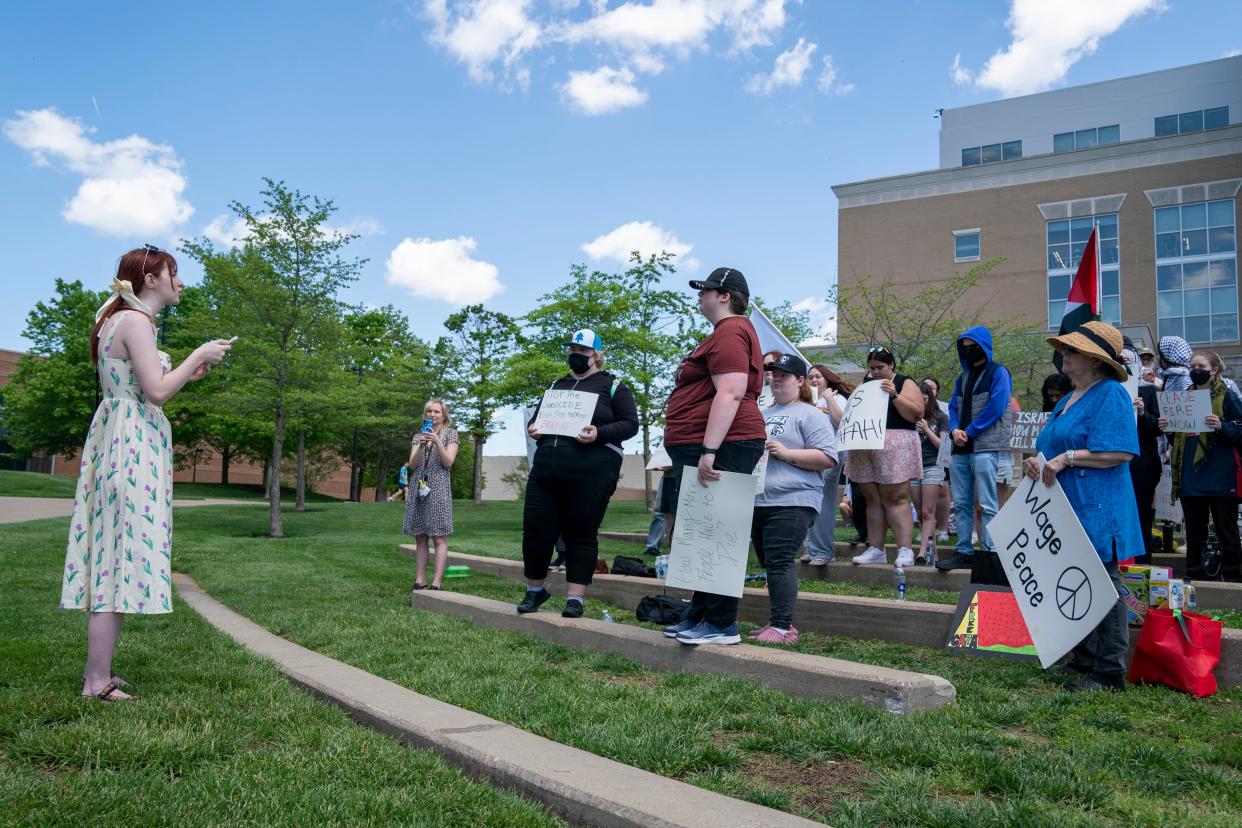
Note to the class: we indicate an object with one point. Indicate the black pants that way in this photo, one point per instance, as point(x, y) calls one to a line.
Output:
point(1145, 497)
point(567, 507)
point(858, 509)
point(777, 533)
point(1103, 651)
point(734, 456)
point(1224, 511)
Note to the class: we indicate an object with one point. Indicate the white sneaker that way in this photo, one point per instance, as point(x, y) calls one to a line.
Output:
point(905, 557)
point(942, 537)
point(873, 555)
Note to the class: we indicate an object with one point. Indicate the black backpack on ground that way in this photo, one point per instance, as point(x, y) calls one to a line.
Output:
point(986, 568)
point(625, 565)
point(662, 609)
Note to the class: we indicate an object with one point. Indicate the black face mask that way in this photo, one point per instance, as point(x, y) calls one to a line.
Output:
point(1200, 376)
point(973, 353)
point(579, 363)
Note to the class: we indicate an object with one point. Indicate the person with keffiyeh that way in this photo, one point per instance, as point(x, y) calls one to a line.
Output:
point(1205, 472)
point(1174, 359)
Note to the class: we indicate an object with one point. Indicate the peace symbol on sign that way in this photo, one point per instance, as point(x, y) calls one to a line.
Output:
point(1074, 594)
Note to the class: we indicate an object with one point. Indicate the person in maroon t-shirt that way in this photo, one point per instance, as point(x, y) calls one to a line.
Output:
point(713, 422)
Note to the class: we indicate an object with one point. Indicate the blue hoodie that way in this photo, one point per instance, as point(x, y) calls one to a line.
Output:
point(989, 428)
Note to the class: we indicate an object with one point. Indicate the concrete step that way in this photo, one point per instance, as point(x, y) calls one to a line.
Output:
point(583, 788)
point(1213, 595)
point(797, 674)
point(628, 537)
point(913, 622)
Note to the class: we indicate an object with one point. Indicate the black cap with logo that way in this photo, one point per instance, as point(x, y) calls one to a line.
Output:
point(790, 364)
point(723, 278)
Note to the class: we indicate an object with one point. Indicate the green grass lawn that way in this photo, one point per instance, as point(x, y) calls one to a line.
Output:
point(218, 737)
point(35, 484)
point(1015, 751)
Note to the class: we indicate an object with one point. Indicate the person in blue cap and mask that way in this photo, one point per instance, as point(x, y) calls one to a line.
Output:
point(573, 478)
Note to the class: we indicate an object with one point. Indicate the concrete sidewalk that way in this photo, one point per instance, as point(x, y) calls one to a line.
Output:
point(797, 674)
point(22, 509)
point(583, 788)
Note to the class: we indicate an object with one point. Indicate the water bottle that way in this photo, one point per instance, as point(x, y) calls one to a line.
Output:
point(661, 566)
point(1192, 598)
point(606, 617)
point(899, 580)
point(1177, 595)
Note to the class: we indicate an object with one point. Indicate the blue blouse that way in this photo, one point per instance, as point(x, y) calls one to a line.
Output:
point(1101, 420)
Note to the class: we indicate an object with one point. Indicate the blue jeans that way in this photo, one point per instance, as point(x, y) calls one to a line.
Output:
point(971, 475)
point(655, 532)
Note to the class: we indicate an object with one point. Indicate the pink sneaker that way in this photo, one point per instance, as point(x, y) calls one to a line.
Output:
point(770, 635)
point(760, 631)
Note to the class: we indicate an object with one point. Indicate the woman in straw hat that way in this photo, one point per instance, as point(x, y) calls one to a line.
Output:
point(1089, 442)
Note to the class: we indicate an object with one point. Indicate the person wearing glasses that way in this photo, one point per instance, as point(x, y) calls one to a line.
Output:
point(981, 429)
point(885, 474)
point(118, 559)
point(1088, 444)
point(713, 424)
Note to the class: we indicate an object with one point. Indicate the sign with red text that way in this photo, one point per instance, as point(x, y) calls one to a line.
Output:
point(864, 421)
point(565, 412)
point(1061, 587)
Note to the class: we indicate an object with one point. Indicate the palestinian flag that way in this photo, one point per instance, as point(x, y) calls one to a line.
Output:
point(1083, 304)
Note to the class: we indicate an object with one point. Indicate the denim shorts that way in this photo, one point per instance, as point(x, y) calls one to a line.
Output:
point(933, 475)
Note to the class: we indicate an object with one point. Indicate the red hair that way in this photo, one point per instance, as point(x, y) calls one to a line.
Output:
point(131, 269)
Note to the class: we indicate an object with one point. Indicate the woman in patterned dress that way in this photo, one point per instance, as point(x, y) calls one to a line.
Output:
point(118, 557)
point(429, 495)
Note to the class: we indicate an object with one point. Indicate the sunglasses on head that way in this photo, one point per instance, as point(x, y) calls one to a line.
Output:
point(878, 349)
point(147, 249)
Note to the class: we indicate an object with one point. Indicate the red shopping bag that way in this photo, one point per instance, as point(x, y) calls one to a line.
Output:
point(1179, 649)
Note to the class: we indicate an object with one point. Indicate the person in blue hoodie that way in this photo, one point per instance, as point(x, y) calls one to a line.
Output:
point(980, 432)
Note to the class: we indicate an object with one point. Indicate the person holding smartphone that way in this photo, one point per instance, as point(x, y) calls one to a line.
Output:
point(429, 495)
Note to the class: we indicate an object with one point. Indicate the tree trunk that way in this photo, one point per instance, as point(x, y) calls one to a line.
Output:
point(276, 525)
point(300, 505)
point(266, 476)
point(381, 478)
point(224, 466)
point(649, 495)
point(478, 471)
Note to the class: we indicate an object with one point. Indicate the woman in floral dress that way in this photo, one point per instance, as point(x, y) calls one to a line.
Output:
point(429, 495)
point(117, 561)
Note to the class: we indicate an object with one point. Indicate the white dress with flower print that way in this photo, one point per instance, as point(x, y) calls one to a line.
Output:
point(118, 558)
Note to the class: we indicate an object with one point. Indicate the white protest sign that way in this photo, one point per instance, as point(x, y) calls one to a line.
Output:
point(765, 398)
point(761, 474)
point(1185, 410)
point(565, 412)
point(864, 421)
point(1026, 428)
point(711, 538)
point(1166, 507)
point(659, 460)
point(1061, 587)
point(1132, 386)
point(944, 454)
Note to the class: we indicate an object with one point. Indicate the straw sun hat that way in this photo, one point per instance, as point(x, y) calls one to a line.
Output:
point(1098, 340)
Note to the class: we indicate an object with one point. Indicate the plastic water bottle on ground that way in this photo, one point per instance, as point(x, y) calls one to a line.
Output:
point(899, 581)
point(661, 567)
point(1177, 595)
point(606, 617)
point(1191, 595)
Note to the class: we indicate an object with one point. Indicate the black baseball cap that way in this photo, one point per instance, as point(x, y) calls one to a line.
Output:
point(790, 364)
point(724, 278)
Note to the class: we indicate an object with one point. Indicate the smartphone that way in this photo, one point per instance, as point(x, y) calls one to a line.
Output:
point(427, 426)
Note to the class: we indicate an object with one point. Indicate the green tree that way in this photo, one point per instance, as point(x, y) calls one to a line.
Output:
point(279, 292)
point(49, 402)
point(473, 359)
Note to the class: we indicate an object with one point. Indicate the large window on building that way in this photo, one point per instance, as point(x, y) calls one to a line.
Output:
point(966, 245)
point(991, 153)
point(1086, 138)
point(1197, 271)
point(1196, 121)
point(1067, 239)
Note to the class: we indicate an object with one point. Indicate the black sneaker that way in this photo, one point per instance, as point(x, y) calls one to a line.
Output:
point(955, 561)
point(1096, 681)
point(533, 600)
point(651, 550)
point(573, 609)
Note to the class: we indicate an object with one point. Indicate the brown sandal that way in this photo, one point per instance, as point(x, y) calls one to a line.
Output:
point(109, 689)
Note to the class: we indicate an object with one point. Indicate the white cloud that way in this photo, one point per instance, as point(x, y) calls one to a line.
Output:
point(823, 319)
point(230, 231)
point(603, 91)
point(443, 269)
point(131, 186)
point(960, 74)
point(679, 25)
point(788, 70)
point(483, 32)
point(1050, 36)
point(647, 238)
point(827, 82)
point(1232, 53)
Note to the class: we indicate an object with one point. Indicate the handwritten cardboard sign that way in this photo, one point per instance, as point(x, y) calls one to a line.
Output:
point(1026, 428)
point(1185, 410)
point(1062, 588)
point(863, 422)
point(565, 412)
point(711, 539)
point(1166, 507)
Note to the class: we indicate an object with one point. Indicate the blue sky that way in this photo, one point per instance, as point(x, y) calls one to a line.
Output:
point(481, 147)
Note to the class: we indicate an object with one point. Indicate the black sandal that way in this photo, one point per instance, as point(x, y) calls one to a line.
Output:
point(421, 586)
